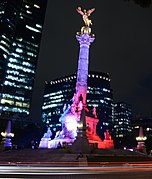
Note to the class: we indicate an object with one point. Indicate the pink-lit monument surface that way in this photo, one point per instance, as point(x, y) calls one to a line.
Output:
point(78, 129)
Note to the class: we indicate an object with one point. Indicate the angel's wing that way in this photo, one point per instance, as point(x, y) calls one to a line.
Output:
point(79, 11)
point(90, 11)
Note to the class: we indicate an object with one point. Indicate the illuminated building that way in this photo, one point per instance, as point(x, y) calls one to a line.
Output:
point(60, 91)
point(21, 24)
point(122, 122)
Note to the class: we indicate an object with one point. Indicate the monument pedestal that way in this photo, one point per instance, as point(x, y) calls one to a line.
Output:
point(44, 142)
point(81, 144)
point(57, 143)
point(94, 139)
point(45, 139)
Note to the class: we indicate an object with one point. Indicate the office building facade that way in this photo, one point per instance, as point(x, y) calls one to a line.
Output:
point(59, 92)
point(122, 122)
point(21, 24)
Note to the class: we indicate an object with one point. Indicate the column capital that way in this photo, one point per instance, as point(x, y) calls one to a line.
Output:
point(85, 39)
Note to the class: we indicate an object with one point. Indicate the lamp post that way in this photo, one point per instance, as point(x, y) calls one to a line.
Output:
point(141, 141)
point(7, 135)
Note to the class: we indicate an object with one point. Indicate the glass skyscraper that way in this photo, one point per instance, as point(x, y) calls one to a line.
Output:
point(21, 24)
point(59, 92)
point(122, 123)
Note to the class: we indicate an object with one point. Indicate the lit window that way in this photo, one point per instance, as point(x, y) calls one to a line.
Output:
point(19, 50)
point(35, 5)
point(32, 28)
point(104, 89)
point(105, 124)
point(5, 56)
point(2, 12)
point(27, 6)
point(5, 50)
point(29, 12)
point(18, 104)
point(102, 101)
point(4, 36)
point(5, 101)
point(38, 25)
point(3, 42)
point(136, 127)
point(51, 106)
point(31, 54)
point(12, 60)
point(20, 68)
point(20, 39)
point(27, 64)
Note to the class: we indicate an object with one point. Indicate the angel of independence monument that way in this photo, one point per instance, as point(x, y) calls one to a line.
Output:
point(78, 129)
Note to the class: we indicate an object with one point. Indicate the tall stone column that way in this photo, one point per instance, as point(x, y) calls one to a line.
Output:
point(84, 40)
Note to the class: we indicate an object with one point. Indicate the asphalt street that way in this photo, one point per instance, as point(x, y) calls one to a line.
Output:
point(105, 172)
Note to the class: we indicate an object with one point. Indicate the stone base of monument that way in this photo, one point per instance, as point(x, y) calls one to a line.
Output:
point(44, 142)
point(94, 140)
point(55, 143)
point(81, 144)
point(96, 144)
point(60, 143)
point(107, 144)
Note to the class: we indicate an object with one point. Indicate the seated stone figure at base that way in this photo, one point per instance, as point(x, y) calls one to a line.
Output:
point(107, 135)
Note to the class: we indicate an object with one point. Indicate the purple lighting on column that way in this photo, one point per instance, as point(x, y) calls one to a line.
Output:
point(83, 62)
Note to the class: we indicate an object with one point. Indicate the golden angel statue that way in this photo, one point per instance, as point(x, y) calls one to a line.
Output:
point(85, 15)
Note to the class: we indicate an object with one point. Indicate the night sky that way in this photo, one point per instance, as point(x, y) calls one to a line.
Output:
point(122, 48)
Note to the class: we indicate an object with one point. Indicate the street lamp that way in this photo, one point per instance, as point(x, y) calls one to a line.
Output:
point(141, 141)
point(7, 135)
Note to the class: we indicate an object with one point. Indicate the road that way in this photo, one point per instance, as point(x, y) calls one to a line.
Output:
point(125, 171)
